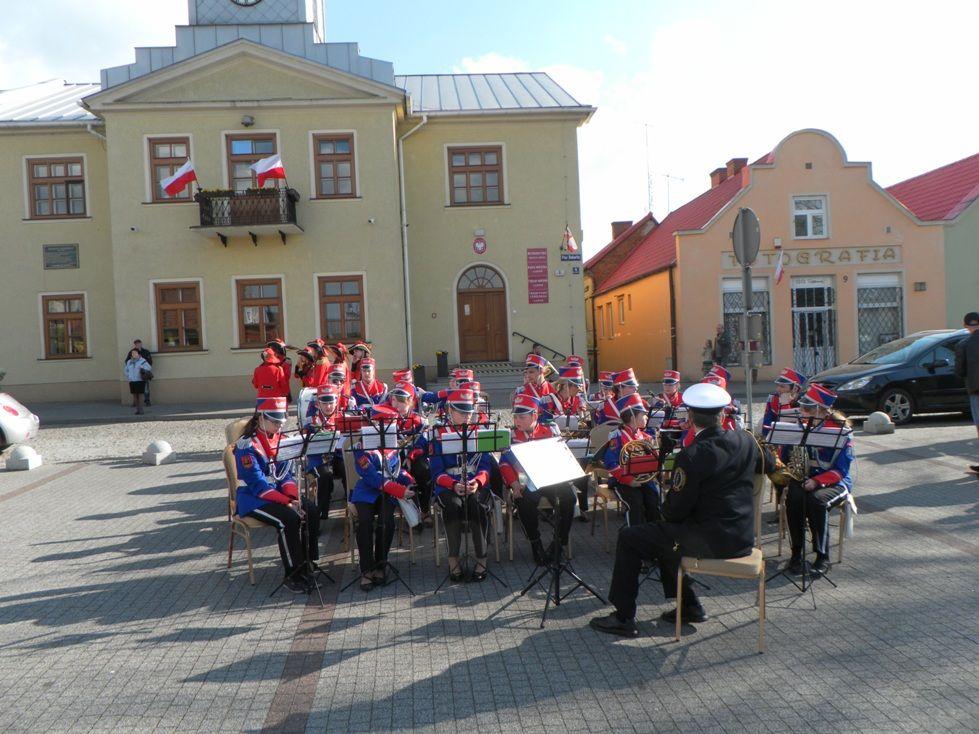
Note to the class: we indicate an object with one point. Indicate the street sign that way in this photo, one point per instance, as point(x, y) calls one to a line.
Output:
point(746, 236)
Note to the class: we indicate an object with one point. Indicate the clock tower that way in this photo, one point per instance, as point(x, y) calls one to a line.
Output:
point(256, 12)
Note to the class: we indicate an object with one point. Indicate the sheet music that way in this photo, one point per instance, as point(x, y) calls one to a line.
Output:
point(291, 445)
point(546, 462)
point(783, 433)
point(370, 437)
point(579, 447)
point(566, 422)
point(478, 442)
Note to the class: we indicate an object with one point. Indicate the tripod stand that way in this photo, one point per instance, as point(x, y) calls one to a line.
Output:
point(308, 568)
point(808, 579)
point(387, 474)
point(557, 565)
point(468, 433)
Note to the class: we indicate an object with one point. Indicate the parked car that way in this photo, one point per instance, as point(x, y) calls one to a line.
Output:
point(910, 375)
point(17, 423)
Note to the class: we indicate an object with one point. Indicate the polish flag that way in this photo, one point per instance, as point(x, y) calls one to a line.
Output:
point(267, 168)
point(570, 243)
point(779, 267)
point(176, 183)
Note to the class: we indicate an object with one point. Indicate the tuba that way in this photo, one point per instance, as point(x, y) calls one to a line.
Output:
point(635, 450)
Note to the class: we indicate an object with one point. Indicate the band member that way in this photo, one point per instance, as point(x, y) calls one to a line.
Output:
point(670, 396)
point(279, 348)
point(566, 397)
point(339, 377)
point(534, 372)
point(606, 385)
point(382, 481)
point(827, 485)
point(788, 387)
point(270, 379)
point(642, 500)
point(358, 353)
point(731, 417)
point(461, 490)
point(573, 360)
point(414, 455)
point(708, 513)
point(323, 415)
point(269, 492)
point(368, 391)
point(313, 368)
point(669, 401)
point(338, 354)
point(526, 411)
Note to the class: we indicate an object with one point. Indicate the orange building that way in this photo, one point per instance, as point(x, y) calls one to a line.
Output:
point(860, 269)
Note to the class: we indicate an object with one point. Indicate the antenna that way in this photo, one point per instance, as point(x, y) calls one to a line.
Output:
point(669, 178)
point(649, 173)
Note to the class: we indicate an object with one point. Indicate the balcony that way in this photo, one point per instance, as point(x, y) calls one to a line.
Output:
point(254, 212)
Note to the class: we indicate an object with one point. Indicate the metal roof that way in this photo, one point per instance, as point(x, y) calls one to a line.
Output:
point(468, 93)
point(52, 102)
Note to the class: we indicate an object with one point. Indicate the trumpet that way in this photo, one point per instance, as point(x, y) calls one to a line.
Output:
point(639, 451)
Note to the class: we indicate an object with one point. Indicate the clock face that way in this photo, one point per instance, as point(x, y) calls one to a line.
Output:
point(246, 3)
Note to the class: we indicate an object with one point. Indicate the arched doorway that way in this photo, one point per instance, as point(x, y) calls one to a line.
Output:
point(481, 303)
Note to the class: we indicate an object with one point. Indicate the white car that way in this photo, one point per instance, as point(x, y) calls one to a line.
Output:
point(17, 423)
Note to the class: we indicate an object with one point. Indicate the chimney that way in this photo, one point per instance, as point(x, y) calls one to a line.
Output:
point(735, 165)
point(717, 177)
point(620, 227)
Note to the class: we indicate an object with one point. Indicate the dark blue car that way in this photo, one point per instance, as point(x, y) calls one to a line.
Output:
point(914, 374)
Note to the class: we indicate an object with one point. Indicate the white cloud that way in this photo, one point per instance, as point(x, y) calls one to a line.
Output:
point(490, 63)
point(616, 45)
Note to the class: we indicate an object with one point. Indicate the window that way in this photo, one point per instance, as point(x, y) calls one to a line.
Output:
point(64, 326)
point(879, 310)
point(178, 317)
point(732, 298)
point(333, 157)
point(609, 329)
point(243, 151)
point(621, 305)
point(809, 217)
point(480, 278)
point(342, 307)
point(166, 156)
point(56, 187)
point(601, 321)
point(259, 311)
point(476, 176)
point(629, 298)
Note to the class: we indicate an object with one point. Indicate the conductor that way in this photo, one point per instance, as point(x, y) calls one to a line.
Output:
point(707, 513)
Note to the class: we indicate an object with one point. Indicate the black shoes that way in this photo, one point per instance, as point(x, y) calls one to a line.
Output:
point(613, 625)
point(795, 565)
point(296, 584)
point(540, 556)
point(691, 613)
point(821, 566)
point(583, 518)
point(973, 469)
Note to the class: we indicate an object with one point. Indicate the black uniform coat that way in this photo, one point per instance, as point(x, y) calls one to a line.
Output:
point(709, 511)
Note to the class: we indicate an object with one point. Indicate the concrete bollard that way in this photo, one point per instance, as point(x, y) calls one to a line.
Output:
point(878, 423)
point(23, 458)
point(158, 452)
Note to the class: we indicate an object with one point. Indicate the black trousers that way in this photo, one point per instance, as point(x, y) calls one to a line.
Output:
point(325, 474)
point(638, 543)
point(456, 510)
point(802, 506)
point(642, 503)
point(422, 475)
point(286, 521)
point(581, 487)
point(527, 510)
point(374, 533)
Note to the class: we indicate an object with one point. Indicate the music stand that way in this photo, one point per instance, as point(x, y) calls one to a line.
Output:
point(809, 426)
point(355, 438)
point(543, 475)
point(468, 435)
point(289, 453)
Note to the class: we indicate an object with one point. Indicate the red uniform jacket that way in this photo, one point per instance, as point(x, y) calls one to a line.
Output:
point(271, 380)
point(318, 374)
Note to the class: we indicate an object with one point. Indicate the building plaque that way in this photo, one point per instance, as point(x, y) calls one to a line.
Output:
point(60, 257)
point(537, 291)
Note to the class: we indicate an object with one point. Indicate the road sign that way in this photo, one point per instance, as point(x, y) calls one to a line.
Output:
point(746, 236)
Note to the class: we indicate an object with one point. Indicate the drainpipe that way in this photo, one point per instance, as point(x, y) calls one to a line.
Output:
point(404, 233)
point(91, 129)
point(675, 366)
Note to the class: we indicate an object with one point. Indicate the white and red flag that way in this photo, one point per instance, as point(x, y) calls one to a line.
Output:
point(267, 168)
point(176, 183)
point(779, 267)
point(570, 243)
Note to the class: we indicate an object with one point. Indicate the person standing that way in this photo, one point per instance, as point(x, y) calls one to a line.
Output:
point(148, 356)
point(722, 346)
point(967, 367)
point(708, 513)
point(137, 371)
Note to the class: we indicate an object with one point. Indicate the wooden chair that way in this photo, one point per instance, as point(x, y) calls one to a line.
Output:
point(512, 511)
point(234, 430)
point(240, 526)
point(845, 509)
point(750, 567)
point(602, 493)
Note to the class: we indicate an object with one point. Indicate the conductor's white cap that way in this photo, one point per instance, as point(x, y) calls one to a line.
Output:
point(706, 397)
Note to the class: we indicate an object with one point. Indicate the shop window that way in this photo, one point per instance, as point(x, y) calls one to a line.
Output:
point(732, 298)
point(880, 310)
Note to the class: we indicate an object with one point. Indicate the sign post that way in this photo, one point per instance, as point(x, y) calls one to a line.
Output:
point(746, 237)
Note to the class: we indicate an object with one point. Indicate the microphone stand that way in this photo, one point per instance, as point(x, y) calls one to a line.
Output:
point(384, 565)
point(310, 567)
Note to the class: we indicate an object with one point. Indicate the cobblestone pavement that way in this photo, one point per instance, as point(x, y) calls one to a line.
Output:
point(117, 614)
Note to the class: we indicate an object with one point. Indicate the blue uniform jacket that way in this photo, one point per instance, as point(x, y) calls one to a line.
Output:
point(617, 440)
point(371, 474)
point(831, 466)
point(314, 462)
point(263, 481)
point(447, 469)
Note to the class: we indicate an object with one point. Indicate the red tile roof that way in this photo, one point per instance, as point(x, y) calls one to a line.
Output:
point(657, 251)
point(941, 194)
point(625, 234)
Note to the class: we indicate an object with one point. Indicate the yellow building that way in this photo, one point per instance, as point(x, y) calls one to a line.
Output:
point(413, 210)
point(859, 269)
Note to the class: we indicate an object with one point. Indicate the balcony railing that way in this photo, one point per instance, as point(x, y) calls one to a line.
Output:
point(253, 212)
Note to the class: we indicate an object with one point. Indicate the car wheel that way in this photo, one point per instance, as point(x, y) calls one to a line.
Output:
point(898, 404)
point(3, 441)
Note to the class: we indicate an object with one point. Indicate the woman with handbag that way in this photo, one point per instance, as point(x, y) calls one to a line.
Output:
point(137, 371)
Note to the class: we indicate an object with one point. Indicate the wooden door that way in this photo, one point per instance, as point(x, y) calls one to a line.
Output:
point(482, 326)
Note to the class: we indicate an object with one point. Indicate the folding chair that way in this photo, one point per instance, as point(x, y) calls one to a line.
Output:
point(240, 526)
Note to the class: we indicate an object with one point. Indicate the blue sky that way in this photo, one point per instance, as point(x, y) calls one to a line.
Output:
point(702, 81)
